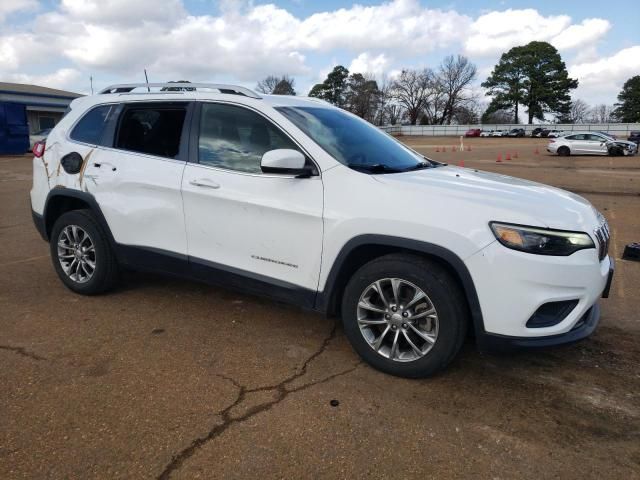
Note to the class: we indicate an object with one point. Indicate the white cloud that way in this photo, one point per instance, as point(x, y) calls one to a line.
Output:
point(496, 32)
point(589, 31)
point(124, 12)
point(244, 41)
point(601, 80)
point(61, 78)
point(8, 7)
point(367, 63)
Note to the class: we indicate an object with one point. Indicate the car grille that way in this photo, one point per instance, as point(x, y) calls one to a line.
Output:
point(603, 236)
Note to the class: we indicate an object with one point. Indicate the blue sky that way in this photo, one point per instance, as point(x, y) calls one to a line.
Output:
point(60, 43)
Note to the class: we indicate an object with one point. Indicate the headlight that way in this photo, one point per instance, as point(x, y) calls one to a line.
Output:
point(540, 241)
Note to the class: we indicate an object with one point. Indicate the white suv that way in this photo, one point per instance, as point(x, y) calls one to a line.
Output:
point(298, 200)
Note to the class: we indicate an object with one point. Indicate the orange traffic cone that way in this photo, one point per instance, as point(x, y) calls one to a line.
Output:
point(537, 152)
point(437, 149)
point(461, 163)
point(499, 159)
point(508, 156)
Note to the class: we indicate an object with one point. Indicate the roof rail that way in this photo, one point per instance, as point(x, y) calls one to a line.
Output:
point(175, 86)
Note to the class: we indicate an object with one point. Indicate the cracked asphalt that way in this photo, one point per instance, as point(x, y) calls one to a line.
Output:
point(172, 379)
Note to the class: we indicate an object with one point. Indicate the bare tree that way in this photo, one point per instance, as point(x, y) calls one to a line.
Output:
point(601, 114)
point(411, 91)
point(578, 113)
point(467, 114)
point(453, 79)
point(394, 112)
point(275, 85)
point(384, 99)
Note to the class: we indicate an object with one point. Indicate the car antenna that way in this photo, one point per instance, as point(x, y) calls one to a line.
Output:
point(147, 80)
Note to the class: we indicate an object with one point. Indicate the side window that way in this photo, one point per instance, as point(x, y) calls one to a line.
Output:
point(91, 127)
point(155, 129)
point(236, 138)
point(595, 138)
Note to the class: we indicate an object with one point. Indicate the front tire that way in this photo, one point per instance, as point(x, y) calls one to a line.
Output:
point(81, 253)
point(405, 315)
point(564, 151)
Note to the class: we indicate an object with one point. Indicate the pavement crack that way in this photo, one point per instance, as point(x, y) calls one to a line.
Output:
point(281, 392)
point(22, 351)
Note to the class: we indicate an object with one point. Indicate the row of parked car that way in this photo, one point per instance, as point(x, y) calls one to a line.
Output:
point(514, 132)
point(538, 133)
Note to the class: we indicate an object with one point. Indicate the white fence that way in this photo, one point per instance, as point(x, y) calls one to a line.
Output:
point(621, 130)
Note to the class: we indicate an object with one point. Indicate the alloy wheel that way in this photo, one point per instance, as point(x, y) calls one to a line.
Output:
point(397, 319)
point(76, 253)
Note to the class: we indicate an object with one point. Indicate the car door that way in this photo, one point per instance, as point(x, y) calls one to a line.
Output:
point(136, 179)
point(596, 144)
point(262, 232)
point(576, 143)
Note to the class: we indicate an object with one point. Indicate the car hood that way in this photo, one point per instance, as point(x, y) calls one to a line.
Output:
point(497, 197)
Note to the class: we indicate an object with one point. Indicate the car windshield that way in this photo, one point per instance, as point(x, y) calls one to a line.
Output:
point(354, 142)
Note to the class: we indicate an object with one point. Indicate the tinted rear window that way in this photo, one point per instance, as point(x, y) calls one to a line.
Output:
point(91, 127)
point(154, 129)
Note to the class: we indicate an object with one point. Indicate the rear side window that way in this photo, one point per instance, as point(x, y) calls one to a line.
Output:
point(91, 127)
point(151, 129)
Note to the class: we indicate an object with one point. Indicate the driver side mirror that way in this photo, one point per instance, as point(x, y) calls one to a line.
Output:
point(285, 161)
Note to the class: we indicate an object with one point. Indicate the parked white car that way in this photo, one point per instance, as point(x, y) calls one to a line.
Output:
point(486, 133)
point(300, 201)
point(591, 143)
point(38, 137)
point(498, 133)
point(555, 134)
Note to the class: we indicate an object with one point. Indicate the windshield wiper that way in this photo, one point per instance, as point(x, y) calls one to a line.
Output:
point(375, 168)
point(420, 166)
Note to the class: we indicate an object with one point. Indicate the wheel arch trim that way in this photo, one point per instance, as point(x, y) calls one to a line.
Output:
point(326, 297)
point(85, 197)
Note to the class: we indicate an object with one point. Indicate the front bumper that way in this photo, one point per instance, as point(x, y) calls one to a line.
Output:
point(512, 286)
point(488, 342)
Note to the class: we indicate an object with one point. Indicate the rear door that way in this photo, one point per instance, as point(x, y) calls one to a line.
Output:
point(264, 228)
point(136, 178)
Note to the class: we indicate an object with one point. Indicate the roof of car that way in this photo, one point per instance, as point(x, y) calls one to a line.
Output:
point(271, 100)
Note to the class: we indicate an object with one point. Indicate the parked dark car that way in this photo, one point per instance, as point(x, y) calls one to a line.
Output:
point(473, 132)
point(634, 137)
point(516, 132)
point(536, 132)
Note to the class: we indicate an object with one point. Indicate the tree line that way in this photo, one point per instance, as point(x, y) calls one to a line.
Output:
point(530, 79)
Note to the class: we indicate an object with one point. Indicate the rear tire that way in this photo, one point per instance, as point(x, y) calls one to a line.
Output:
point(81, 253)
point(564, 151)
point(426, 334)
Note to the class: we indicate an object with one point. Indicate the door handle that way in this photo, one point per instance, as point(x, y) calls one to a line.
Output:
point(98, 165)
point(204, 182)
